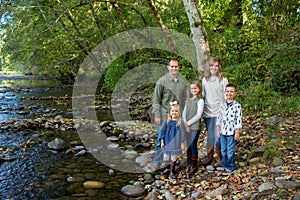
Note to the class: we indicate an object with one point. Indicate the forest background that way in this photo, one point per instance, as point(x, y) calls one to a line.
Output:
point(257, 40)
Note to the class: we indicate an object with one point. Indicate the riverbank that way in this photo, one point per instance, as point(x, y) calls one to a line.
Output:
point(43, 155)
point(267, 159)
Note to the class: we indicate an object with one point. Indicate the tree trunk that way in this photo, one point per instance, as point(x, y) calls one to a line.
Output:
point(156, 14)
point(198, 33)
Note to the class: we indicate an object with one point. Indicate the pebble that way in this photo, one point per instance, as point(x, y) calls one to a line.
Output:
point(93, 185)
point(133, 190)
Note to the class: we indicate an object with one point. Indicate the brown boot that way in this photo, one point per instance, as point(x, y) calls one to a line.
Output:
point(166, 169)
point(209, 158)
point(189, 161)
point(194, 165)
point(219, 160)
point(172, 170)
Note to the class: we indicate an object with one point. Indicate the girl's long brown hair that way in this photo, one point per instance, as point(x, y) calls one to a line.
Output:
point(211, 61)
point(198, 84)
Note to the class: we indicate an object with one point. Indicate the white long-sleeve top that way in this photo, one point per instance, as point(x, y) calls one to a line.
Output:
point(197, 116)
point(213, 92)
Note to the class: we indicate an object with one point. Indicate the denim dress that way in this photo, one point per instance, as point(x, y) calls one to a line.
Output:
point(173, 136)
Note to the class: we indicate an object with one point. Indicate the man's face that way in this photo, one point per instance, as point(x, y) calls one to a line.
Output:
point(173, 67)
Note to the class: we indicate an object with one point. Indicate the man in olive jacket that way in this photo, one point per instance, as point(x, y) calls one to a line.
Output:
point(170, 87)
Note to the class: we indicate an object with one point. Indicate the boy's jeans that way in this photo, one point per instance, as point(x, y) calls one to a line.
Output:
point(228, 146)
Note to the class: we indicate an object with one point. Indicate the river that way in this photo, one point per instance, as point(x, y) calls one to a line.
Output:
point(35, 172)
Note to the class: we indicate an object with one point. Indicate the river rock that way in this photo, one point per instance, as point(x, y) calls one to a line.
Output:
point(112, 139)
point(266, 186)
point(81, 153)
point(277, 161)
point(58, 118)
point(242, 164)
point(296, 197)
point(159, 183)
point(273, 120)
point(278, 170)
point(210, 168)
point(57, 144)
point(287, 184)
point(168, 195)
point(23, 112)
point(260, 149)
point(133, 190)
point(254, 160)
point(219, 191)
point(104, 123)
point(147, 178)
point(196, 194)
point(91, 193)
point(75, 179)
point(76, 148)
point(93, 185)
point(130, 154)
point(111, 172)
point(143, 159)
point(153, 195)
point(113, 146)
point(142, 145)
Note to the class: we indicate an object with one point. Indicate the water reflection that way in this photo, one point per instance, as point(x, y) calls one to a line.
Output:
point(38, 172)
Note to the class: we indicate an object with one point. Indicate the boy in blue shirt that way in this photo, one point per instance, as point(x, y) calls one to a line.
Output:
point(229, 124)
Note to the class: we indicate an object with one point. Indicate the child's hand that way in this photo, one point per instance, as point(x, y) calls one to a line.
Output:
point(237, 136)
point(187, 128)
point(182, 147)
point(162, 144)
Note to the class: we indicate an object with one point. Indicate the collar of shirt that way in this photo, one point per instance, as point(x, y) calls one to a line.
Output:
point(228, 104)
point(172, 79)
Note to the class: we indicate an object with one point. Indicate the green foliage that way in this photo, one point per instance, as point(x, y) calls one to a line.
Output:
point(272, 151)
point(113, 74)
point(258, 42)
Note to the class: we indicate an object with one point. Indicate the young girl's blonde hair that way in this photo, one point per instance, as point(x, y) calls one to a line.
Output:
point(198, 84)
point(179, 113)
point(211, 61)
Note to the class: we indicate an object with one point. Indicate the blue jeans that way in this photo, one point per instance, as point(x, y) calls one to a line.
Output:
point(192, 139)
point(158, 155)
point(228, 146)
point(211, 129)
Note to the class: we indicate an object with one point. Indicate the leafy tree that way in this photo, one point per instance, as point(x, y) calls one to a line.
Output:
point(257, 39)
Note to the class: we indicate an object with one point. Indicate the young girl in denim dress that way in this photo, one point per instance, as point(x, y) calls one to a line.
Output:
point(172, 139)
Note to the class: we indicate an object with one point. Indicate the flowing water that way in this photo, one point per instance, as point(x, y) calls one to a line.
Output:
point(38, 172)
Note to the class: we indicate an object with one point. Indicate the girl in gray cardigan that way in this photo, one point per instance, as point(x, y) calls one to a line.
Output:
point(191, 117)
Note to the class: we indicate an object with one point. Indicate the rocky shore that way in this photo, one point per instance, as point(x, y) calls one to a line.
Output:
point(267, 156)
